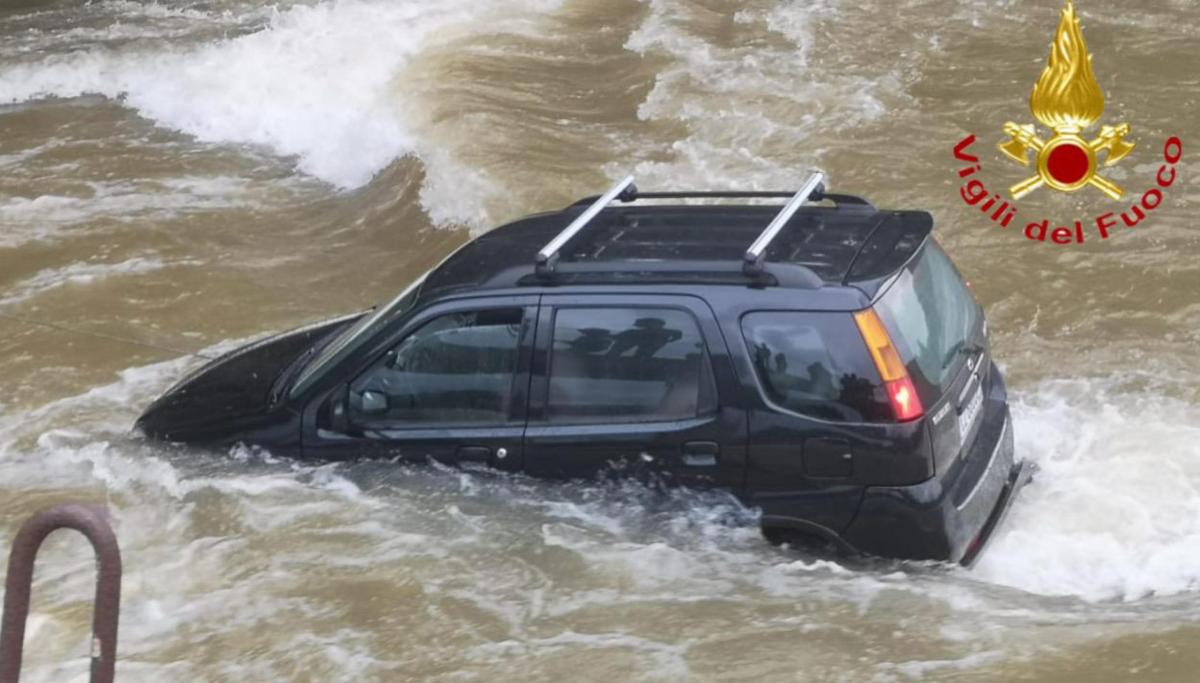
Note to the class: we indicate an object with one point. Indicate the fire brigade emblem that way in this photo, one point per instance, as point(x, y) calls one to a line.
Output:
point(1067, 99)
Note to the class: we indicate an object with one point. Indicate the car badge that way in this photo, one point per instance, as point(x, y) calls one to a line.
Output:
point(1067, 99)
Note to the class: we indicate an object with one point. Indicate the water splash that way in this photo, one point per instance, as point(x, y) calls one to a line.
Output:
point(1115, 510)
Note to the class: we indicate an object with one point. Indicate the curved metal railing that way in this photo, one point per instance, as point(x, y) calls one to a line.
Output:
point(92, 522)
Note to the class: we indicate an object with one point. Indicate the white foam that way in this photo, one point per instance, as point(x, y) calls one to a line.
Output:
point(1115, 510)
point(665, 660)
point(156, 10)
point(111, 24)
point(318, 83)
point(919, 670)
point(1108, 517)
point(25, 218)
point(78, 273)
point(12, 162)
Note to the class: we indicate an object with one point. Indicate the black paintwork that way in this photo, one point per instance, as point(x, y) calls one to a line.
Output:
point(944, 505)
point(234, 397)
point(900, 490)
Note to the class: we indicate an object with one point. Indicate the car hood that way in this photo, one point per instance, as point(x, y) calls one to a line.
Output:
point(232, 387)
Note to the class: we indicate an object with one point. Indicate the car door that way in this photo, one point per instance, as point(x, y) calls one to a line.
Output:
point(451, 384)
point(626, 386)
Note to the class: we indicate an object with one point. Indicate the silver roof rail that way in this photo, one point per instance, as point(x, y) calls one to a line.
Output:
point(547, 258)
point(756, 254)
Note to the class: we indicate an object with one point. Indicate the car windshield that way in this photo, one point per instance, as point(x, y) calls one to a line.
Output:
point(352, 337)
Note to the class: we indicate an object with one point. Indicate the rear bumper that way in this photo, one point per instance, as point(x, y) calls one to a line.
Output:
point(948, 518)
point(1018, 477)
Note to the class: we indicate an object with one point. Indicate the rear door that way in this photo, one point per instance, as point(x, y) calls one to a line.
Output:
point(450, 385)
point(625, 386)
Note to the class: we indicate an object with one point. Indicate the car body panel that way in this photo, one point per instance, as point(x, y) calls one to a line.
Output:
point(924, 489)
point(230, 398)
point(942, 517)
point(499, 445)
point(702, 452)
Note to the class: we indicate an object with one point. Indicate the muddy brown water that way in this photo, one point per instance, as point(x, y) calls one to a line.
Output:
point(190, 174)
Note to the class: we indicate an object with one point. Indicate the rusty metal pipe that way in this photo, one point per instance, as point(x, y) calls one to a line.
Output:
point(92, 522)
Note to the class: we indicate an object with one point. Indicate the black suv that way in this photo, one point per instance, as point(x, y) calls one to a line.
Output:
point(824, 363)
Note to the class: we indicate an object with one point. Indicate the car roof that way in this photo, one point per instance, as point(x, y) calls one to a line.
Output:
point(820, 248)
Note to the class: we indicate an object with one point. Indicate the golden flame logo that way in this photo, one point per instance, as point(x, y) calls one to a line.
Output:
point(1067, 97)
point(1068, 100)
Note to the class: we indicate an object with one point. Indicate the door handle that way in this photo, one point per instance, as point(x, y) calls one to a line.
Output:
point(474, 453)
point(701, 453)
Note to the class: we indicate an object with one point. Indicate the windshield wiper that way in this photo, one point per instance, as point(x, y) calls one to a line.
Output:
point(285, 378)
point(294, 369)
point(968, 349)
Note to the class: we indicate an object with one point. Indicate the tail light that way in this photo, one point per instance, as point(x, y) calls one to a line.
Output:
point(906, 405)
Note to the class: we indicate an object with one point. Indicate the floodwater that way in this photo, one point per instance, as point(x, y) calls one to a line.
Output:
point(191, 174)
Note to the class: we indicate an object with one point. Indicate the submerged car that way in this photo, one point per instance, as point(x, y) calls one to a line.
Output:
point(825, 363)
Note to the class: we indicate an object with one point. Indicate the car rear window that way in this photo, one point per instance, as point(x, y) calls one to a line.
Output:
point(628, 364)
point(931, 317)
point(817, 365)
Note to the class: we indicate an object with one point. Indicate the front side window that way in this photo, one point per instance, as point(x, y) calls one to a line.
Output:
point(456, 369)
point(816, 364)
point(628, 364)
point(932, 317)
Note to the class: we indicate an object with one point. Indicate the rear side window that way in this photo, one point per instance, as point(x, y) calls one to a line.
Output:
point(931, 317)
point(635, 364)
point(816, 364)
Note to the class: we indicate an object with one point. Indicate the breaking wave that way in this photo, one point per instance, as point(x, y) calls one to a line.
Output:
point(329, 85)
point(322, 83)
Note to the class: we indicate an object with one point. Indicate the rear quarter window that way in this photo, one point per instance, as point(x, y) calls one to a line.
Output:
point(931, 317)
point(815, 364)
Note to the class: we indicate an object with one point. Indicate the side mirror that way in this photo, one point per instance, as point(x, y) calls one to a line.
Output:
point(336, 413)
point(373, 403)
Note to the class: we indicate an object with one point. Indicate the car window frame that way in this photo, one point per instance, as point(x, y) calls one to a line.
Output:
point(551, 304)
point(328, 358)
point(402, 329)
point(368, 423)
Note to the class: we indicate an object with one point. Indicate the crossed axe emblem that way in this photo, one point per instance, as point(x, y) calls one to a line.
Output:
point(1024, 139)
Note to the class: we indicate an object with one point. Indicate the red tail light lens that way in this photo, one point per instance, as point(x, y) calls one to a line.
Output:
point(905, 402)
point(906, 405)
